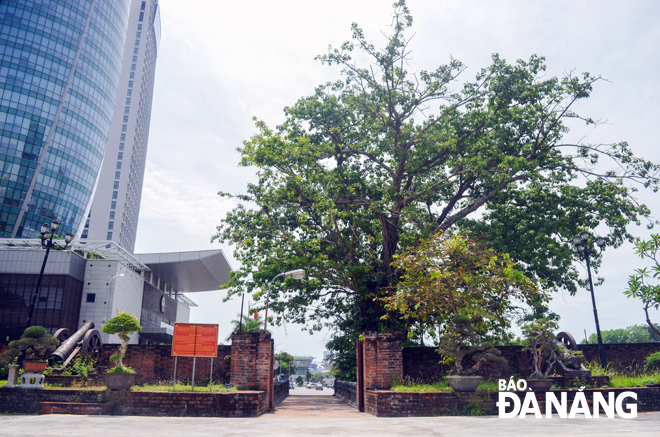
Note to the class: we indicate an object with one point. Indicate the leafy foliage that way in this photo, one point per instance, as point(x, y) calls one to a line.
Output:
point(540, 342)
point(123, 325)
point(653, 361)
point(249, 324)
point(631, 334)
point(371, 163)
point(638, 285)
point(34, 344)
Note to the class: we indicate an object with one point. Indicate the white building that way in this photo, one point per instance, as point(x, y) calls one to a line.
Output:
point(116, 204)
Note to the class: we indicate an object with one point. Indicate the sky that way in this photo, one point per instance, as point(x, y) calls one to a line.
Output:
point(221, 63)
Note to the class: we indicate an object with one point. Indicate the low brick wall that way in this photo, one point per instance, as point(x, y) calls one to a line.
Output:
point(346, 391)
point(154, 363)
point(384, 403)
point(140, 403)
point(423, 363)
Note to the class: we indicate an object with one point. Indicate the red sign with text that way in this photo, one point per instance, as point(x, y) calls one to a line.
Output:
point(195, 340)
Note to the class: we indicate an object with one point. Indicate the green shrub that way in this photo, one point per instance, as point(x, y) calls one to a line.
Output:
point(653, 361)
point(121, 369)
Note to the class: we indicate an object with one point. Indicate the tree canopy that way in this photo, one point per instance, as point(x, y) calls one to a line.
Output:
point(383, 157)
point(639, 286)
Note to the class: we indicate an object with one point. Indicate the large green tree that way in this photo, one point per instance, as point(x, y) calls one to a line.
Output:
point(371, 163)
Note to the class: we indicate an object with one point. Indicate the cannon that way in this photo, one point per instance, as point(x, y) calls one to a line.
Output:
point(86, 338)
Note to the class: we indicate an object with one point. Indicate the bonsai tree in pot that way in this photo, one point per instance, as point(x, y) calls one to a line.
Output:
point(123, 325)
point(34, 346)
point(541, 344)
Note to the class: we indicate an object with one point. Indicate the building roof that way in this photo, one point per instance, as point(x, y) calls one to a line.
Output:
point(202, 270)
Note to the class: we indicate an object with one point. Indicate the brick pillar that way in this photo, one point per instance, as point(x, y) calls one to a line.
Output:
point(382, 356)
point(359, 401)
point(252, 362)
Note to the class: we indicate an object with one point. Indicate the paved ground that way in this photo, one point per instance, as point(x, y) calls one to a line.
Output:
point(317, 414)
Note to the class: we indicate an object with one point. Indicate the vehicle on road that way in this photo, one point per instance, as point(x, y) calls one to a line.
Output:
point(319, 387)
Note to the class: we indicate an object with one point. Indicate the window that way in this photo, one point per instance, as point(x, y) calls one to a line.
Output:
point(125, 118)
point(120, 155)
point(143, 5)
point(121, 146)
point(134, 58)
point(136, 50)
point(115, 186)
point(84, 234)
point(91, 297)
point(132, 75)
point(137, 42)
point(132, 67)
point(127, 110)
point(117, 174)
point(141, 16)
point(138, 35)
point(119, 166)
point(129, 92)
point(130, 83)
point(109, 236)
point(113, 204)
point(128, 100)
point(123, 128)
point(111, 225)
point(114, 194)
point(122, 137)
point(112, 215)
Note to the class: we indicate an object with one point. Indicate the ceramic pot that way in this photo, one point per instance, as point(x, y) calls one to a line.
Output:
point(35, 366)
point(464, 383)
point(119, 381)
point(540, 384)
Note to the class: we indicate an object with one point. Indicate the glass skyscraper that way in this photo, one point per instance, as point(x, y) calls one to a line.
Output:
point(116, 205)
point(60, 68)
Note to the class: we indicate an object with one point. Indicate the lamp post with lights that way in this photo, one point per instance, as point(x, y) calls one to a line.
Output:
point(47, 233)
point(581, 244)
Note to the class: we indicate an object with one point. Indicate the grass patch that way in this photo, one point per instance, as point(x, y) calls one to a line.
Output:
point(623, 381)
point(441, 386)
point(215, 388)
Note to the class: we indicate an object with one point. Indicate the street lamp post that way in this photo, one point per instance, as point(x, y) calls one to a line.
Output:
point(47, 243)
point(295, 274)
point(580, 242)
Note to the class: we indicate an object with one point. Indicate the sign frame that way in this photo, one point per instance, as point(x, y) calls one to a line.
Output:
point(195, 340)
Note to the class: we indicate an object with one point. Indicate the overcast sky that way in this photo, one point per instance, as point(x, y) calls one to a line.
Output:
point(220, 63)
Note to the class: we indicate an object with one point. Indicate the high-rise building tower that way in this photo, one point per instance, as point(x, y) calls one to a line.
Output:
point(60, 63)
point(116, 204)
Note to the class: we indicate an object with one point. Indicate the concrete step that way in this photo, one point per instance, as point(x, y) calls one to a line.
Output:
point(91, 409)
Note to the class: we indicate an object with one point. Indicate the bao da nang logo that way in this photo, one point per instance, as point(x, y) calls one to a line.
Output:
point(511, 405)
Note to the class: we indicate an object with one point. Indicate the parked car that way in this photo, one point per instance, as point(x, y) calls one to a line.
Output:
point(319, 386)
point(310, 386)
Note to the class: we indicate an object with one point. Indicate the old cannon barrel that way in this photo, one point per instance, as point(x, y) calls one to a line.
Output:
point(70, 344)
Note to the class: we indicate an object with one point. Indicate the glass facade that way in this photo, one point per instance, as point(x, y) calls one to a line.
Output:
point(60, 62)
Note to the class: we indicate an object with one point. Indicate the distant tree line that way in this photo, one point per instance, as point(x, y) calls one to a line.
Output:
point(631, 334)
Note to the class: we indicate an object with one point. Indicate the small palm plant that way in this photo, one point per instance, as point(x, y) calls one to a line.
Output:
point(249, 324)
point(123, 325)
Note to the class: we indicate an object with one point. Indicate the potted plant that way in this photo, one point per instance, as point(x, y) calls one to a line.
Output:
point(32, 349)
point(465, 350)
point(120, 376)
point(544, 349)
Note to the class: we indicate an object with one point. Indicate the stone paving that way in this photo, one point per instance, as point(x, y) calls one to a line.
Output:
point(310, 406)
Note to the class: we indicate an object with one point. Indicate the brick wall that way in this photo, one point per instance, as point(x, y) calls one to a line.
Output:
point(422, 363)
point(141, 403)
point(407, 404)
point(252, 361)
point(382, 359)
point(154, 363)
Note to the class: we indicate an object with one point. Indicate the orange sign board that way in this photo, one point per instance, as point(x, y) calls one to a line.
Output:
point(195, 340)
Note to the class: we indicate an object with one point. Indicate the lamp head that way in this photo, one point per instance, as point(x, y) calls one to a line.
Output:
point(45, 228)
point(577, 241)
point(55, 225)
point(68, 238)
point(295, 274)
point(600, 242)
point(584, 236)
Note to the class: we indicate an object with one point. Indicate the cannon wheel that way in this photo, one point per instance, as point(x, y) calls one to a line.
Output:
point(62, 334)
point(567, 340)
point(92, 342)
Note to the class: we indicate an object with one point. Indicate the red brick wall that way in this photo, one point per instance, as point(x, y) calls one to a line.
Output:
point(154, 363)
point(382, 359)
point(407, 404)
point(423, 363)
point(252, 362)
